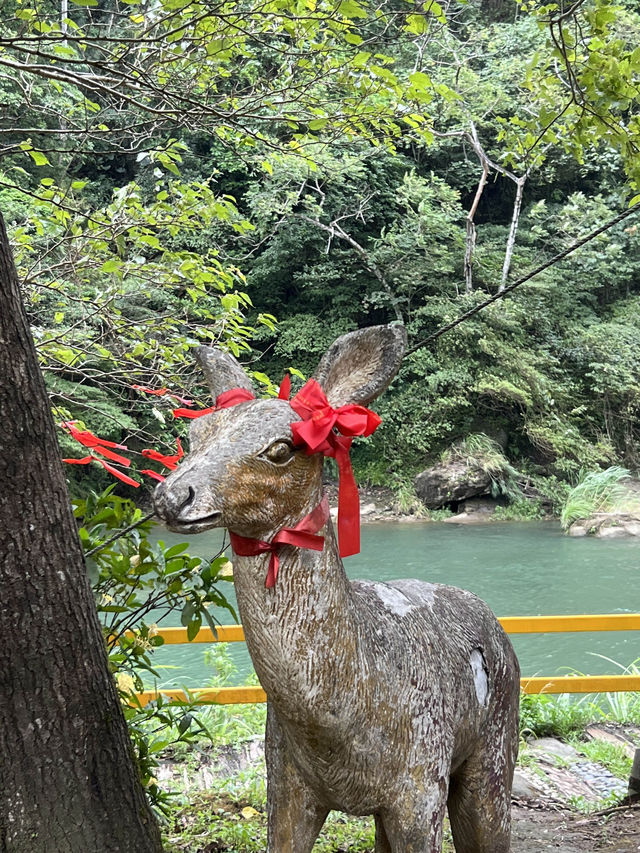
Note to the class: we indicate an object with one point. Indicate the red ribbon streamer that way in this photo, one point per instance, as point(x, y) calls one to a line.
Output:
point(157, 392)
point(160, 392)
point(153, 474)
point(284, 392)
point(223, 401)
point(330, 431)
point(170, 462)
point(98, 445)
point(87, 459)
point(303, 535)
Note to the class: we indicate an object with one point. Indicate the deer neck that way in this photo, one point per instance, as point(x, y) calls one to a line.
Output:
point(293, 629)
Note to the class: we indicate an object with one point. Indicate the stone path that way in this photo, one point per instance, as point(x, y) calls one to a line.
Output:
point(553, 779)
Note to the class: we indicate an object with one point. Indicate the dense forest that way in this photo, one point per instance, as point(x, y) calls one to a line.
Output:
point(270, 175)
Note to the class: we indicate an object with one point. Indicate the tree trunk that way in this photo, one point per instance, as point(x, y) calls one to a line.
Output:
point(470, 244)
point(68, 782)
point(513, 230)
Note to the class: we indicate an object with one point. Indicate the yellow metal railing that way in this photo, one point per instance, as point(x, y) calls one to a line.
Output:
point(511, 624)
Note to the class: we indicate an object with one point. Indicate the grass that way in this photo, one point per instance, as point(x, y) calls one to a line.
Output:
point(407, 501)
point(555, 716)
point(599, 492)
point(235, 827)
point(233, 818)
point(214, 822)
point(521, 509)
point(479, 451)
point(623, 707)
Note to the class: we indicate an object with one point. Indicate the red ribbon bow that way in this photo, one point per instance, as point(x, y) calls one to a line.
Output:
point(330, 431)
point(303, 535)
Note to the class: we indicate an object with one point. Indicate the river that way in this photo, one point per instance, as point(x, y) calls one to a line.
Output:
point(519, 569)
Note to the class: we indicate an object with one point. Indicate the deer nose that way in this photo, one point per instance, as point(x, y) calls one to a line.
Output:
point(172, 501)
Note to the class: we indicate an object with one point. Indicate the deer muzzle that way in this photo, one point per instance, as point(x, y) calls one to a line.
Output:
point(177, 505)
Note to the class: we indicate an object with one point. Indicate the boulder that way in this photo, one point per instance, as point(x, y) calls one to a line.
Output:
point(607, 525)
point(612, 532)
point(475, 511)
point(451, 482)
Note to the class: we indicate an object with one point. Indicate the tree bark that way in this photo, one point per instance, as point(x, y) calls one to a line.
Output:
point(67, 778)
point(513, 230)
point(470, 243)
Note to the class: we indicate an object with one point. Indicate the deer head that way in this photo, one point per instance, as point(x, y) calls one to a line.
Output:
point(243, 470)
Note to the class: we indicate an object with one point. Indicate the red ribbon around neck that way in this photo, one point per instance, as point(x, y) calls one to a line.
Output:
point(330, 431)
point(303, 535)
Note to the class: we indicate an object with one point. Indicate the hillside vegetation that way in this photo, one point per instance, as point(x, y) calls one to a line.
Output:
point(322, 171)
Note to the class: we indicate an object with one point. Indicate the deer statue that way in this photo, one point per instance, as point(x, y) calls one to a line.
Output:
point(397, 700)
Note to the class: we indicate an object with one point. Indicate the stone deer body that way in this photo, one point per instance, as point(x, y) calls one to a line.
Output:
point(396, 700)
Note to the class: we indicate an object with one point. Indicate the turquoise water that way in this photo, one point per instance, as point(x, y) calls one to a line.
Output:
point(518, 569)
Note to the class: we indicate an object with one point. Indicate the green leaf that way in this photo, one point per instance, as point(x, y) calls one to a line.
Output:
point(38, 158)
point(361, 59)
point(435, 9)
point(175, 550)
point(351, 9)
point(112, 265)
point(193, 627)
point(416, 24)
point(420, 80)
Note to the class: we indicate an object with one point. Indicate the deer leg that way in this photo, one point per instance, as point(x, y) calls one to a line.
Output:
point(415, 827)
point(294, 814)
point(480, 800)
point(382, 842)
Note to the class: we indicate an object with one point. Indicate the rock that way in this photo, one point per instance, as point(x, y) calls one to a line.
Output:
point(451, 482)
point(607, 525)
point(617, 738)
point(611, 532)
point(486, 506)
point(367, 509)
point(553, 747)
point(469, 518)
point(524, 788)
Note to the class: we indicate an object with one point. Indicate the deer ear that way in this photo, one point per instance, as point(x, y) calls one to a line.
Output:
point(360, 365)
point(222, 371)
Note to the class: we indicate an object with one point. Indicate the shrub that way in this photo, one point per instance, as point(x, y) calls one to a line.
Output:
point(598, 491)
point(134, 579)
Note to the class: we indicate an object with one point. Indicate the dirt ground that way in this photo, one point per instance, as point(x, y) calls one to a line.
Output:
point(538, 830)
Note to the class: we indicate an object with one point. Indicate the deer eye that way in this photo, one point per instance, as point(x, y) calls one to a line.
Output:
point(279, 452)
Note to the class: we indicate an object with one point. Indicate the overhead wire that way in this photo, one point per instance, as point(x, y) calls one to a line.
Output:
point(511, 287)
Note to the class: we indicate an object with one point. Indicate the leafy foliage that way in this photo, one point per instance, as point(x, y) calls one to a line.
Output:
point(137, 584)
point(325, 164)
